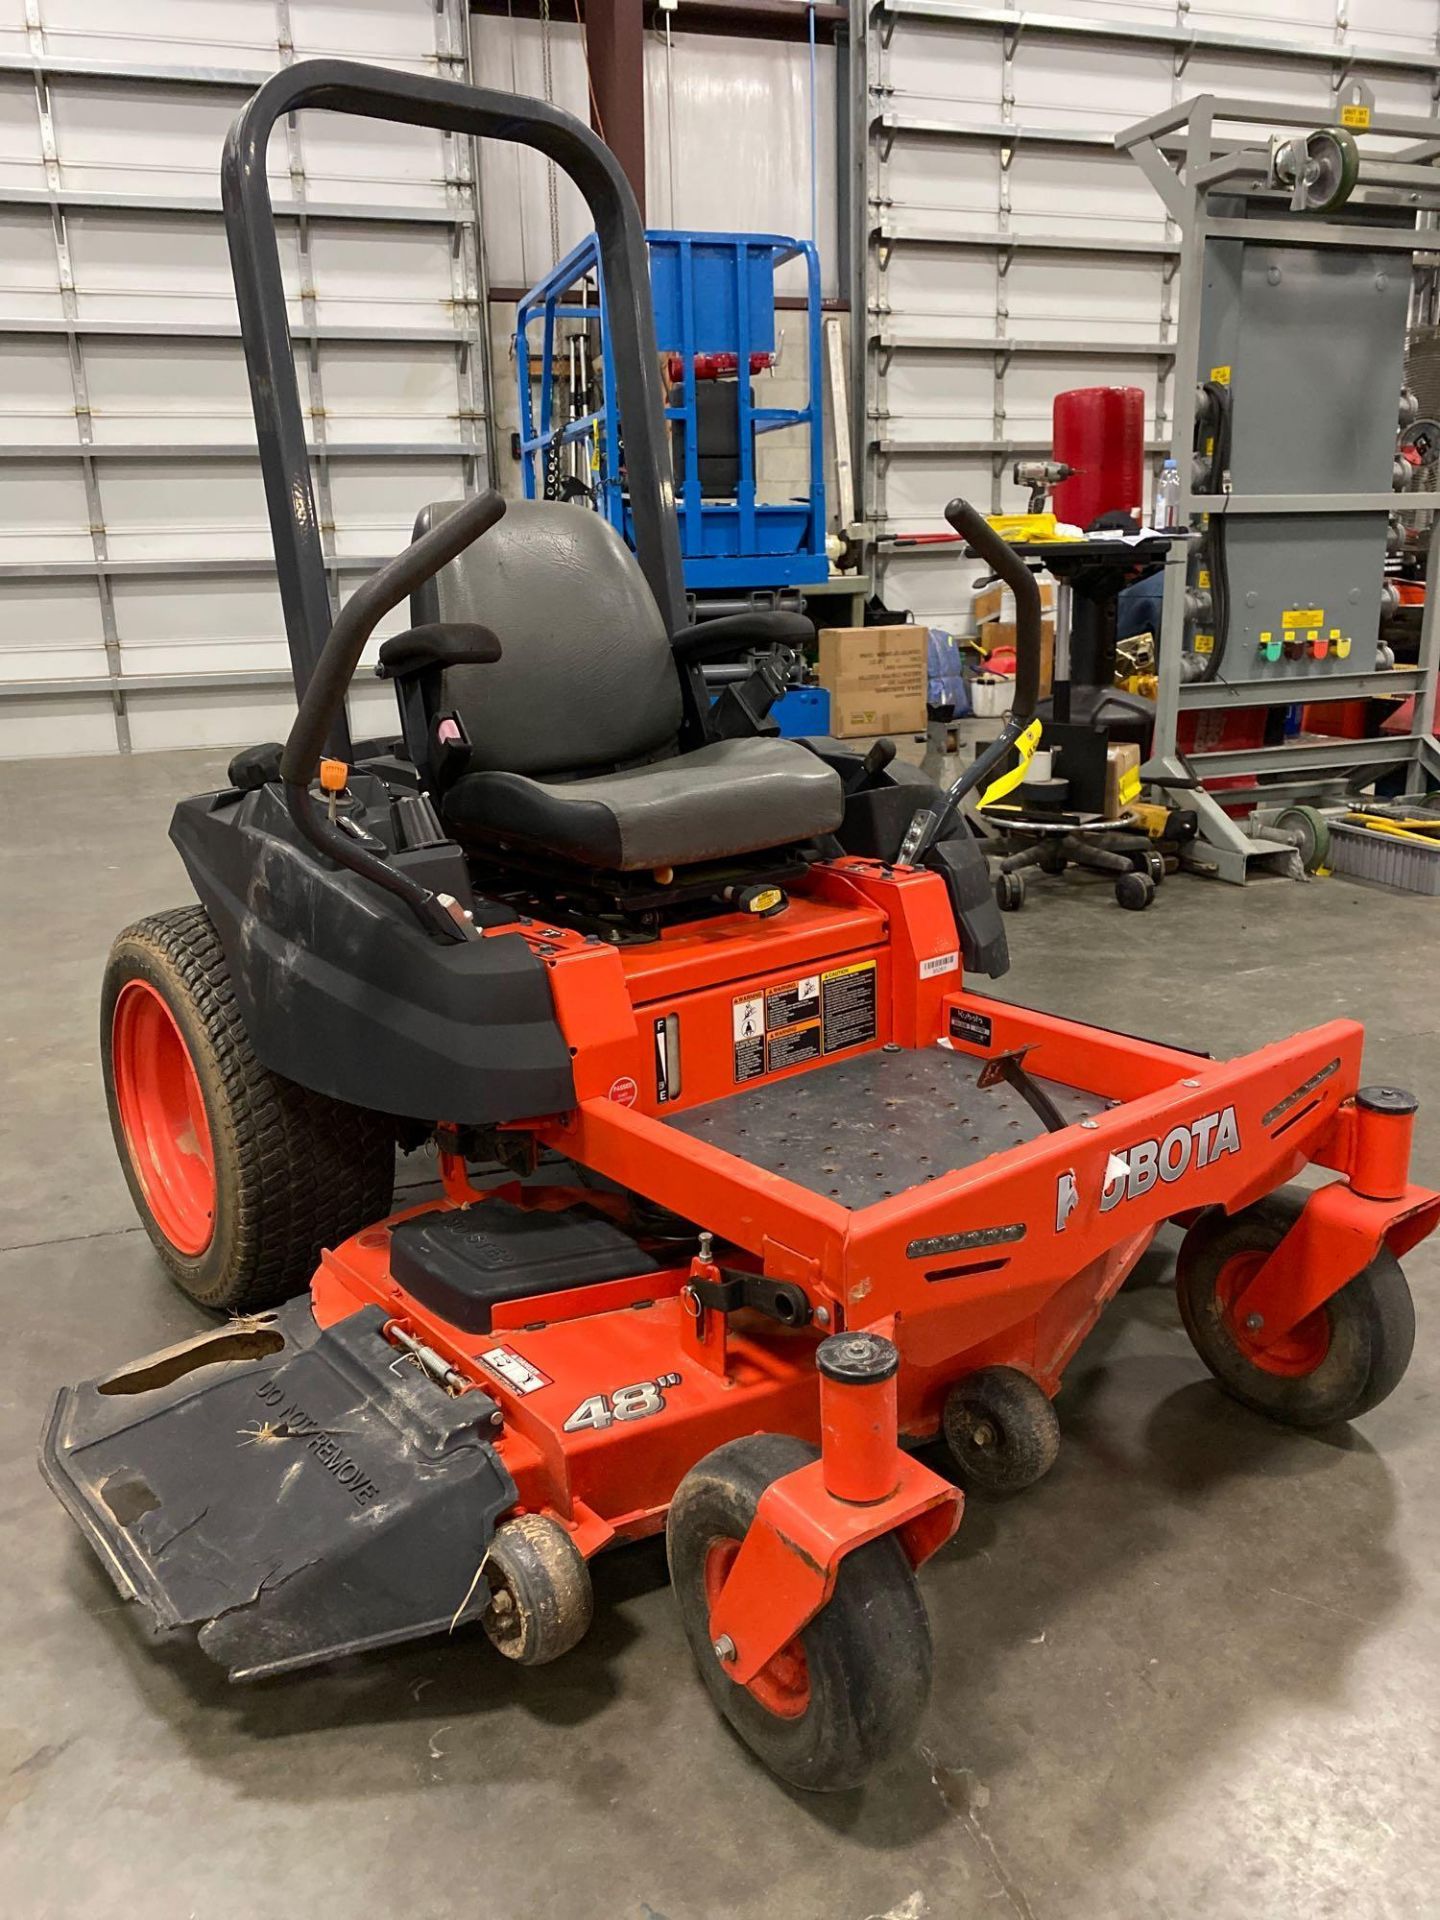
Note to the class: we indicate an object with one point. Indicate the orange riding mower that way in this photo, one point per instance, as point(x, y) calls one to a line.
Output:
point(745, 1192)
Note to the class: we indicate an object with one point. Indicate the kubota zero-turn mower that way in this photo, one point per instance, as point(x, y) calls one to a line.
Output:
point(779, 1194)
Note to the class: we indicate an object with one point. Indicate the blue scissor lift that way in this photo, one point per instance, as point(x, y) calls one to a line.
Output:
point(715, 320)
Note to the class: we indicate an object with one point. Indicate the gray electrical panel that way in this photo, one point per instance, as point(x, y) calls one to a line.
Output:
point(1302, 354)
point(1297, 241)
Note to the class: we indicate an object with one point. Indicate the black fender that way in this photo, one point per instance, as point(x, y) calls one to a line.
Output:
point(342, 991)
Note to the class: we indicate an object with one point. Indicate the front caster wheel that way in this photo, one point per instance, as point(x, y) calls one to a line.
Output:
point(540, 1595)
point(1134, 891)
point(849, 1690)
point(1001, 1431)
point(1152, 862)
point(1010, 892)
point(1336, 1364)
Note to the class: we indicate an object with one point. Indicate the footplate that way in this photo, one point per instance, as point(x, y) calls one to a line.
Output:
point(292, 1493)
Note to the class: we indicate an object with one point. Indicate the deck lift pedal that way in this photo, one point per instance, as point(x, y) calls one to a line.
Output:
point(783, 1195)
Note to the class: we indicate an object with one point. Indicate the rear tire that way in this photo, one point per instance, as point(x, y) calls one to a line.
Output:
point(851, 1688)
point(240, 1177)
point(1336, 1364)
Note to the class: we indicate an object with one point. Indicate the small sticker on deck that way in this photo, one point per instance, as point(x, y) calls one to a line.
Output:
point(847, 1005)
point(974, 1027)
point(514, 1370)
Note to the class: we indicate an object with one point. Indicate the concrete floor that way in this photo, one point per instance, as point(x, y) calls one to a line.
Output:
point(1195, 1672)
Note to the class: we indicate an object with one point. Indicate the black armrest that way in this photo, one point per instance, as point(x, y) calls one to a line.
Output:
point(443, 644)
point(738, 632)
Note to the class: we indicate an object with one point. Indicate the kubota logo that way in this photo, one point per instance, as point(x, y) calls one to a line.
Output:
point(1134, 1170)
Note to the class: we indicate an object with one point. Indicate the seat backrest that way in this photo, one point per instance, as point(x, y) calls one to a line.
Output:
point(587, 676)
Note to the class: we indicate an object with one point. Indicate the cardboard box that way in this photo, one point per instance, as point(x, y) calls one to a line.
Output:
point(1001, 633)
point(997, 602)
point(1122, 776)
point(876, 679)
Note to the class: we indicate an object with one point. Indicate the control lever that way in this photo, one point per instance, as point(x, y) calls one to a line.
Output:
point(1009, 1068)
point(874, 764)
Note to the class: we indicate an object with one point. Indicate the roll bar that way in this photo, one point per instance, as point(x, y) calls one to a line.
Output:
point(975, 530)
point(378, 93)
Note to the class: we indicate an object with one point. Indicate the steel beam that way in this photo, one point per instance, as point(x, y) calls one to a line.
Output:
point(615, 53)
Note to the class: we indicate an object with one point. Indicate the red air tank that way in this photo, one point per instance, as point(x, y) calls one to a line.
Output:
point(1100, 431)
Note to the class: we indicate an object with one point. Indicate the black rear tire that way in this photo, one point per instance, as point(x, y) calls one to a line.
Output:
point(1361, 1339)
point(294, 1171)
point(866, 1656)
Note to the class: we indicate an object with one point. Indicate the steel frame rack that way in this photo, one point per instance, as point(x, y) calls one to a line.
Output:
point(881, 225)
point(474, 445)
point(1306, 767)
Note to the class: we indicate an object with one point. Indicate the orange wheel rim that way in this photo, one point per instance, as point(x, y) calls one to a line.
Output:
point(782, 1686)
point(1296, 1353)
point(163, 1118)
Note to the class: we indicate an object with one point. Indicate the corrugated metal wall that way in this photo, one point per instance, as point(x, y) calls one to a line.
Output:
point(1012, 253)
point(1008, 253)
point(137, 600)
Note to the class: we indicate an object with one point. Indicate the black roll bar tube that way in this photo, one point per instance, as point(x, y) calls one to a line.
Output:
point(977, 533)
point(324, 698)
point(378, 93)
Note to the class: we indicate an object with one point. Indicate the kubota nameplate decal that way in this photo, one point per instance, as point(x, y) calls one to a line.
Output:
point(515, 1370)
point(977, 1028)
point(801, 1019)
point(1133, 1171)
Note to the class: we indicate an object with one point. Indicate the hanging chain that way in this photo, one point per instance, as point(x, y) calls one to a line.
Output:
point(548, 76)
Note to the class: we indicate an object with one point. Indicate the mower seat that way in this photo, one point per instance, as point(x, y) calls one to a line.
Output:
point(730, 797)
point(573, 734)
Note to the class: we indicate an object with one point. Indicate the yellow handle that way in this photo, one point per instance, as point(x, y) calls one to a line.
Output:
point(1025, 747)
point(1397, 829)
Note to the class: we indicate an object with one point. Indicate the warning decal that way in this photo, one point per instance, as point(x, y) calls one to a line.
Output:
point(848, 1006)
point(792, 1045)
point(747, 1020)
point(802, 1019)
point(787, 1006)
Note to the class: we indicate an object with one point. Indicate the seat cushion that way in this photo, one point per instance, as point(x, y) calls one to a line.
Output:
point(586, 676)
point(728, 798)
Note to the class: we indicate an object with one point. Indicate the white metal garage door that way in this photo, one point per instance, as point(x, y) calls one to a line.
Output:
point(137, 598)
point(1012, 253)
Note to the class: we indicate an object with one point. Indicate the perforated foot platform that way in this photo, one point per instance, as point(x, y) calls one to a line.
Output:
point(876, 1124)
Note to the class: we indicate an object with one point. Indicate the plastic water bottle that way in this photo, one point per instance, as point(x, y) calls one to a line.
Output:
point(1167, 497)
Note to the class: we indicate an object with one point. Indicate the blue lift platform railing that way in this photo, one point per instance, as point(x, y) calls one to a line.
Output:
point(715, 312)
